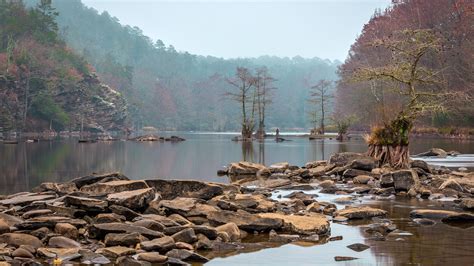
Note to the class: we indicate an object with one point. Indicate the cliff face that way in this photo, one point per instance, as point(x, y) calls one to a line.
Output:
point(88, 102)
point(95, 105)
point(43, 83)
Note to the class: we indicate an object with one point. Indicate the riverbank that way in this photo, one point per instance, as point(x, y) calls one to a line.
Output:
point(109, 218)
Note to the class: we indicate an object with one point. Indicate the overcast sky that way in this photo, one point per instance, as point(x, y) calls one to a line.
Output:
point(244, 28)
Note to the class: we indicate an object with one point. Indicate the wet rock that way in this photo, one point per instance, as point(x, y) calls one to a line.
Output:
point(424, 221)
point(150, 224)
point(344, 200)
point(231, 229)
point(48, 221)
point(61, 253)
point(466, 203)
point(130, 261)
point(89, 257)
point(279, 167)
point(94, 178)
point(22, 253)
point(282, 238)
point(459, 218)
point(362, 179)
point(109, 218)
point(314, 207)
point(267, 183)
point(351, 173)
point(162, 244)
point(405, 180)
point(358, 247)
point(35, 213)
point(59, 188)
point(434, 152)
point(100, 230)
point(186, 255)
point(420, 164)
point(124, 211)
point(386, 180)
point(170, 189)
point(62, 242)
point(335, 238)
point(310, 224)
point(4, 227)
point(9, 219)
point(182, 245)
point(244, 220)
point(153, 257)
point(21, 200)
point(115, 252)
point(134, 199)
point(344, 158)
point(365, 164)
point(306, 198)
point(433, 214)
point(344, 258)
point(186, 235)
point(203, 243)
point(360, 212)
point(208, 231)
point(340, 219)
point(40, 233)
point(88, 204)
point(111, 187)
point(18, 239)
point(167, 222)
point(67, 230)
point(245, 168)
point(126, 240)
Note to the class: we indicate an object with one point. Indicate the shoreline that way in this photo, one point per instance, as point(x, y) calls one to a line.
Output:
point(119, 220)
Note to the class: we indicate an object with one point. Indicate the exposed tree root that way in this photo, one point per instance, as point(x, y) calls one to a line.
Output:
point(397, 156)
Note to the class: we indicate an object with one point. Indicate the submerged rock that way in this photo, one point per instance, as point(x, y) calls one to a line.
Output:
point(307, 225)
point(358, 247)
point(360, 212)
point(244, 220)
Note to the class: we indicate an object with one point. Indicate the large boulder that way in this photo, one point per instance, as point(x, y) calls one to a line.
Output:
point(94, 178)
point(344, 158)
point(102, 188)
point(88, 204)
point(434, 152)
point(405, 180)
point(59, 188)
point(100, 230)
point(360, 212)
point(133, 199)
point(245, 168)
point(162, 244)
point(24, 199)
point(62, 242)
point(18, 239)
point(434, 214)
point(244, 220)
point(170, 189)
point(308, 224)
point(231, 229)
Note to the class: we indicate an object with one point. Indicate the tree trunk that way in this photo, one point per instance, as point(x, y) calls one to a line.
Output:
point(397, 156)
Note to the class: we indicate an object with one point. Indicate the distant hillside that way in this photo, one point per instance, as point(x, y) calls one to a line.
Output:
point(178, 90)
point(43, 83)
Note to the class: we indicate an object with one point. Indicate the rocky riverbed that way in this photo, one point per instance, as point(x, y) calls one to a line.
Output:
point(108, 218)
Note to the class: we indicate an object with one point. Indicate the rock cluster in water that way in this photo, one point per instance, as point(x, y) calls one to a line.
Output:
point(103, 219)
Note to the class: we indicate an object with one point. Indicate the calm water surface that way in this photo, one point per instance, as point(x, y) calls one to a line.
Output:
point(27, 165)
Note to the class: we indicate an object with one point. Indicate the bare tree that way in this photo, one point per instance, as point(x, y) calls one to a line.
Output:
point(320, 96)
point(420, 86)
point(242, 83)
point(263, 88)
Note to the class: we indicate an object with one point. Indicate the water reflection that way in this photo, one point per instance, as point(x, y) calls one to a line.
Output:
point(26, 165)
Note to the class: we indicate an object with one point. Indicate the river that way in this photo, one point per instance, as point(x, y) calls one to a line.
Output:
point(26, 165)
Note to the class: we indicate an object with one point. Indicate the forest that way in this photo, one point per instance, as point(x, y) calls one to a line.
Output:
point(175, 90)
